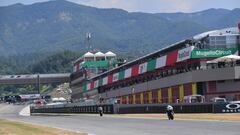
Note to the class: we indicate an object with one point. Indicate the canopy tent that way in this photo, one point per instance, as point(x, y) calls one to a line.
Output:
point(228, 58)
point(59, 99)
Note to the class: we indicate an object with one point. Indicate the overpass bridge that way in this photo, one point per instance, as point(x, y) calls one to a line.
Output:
point(34, 79)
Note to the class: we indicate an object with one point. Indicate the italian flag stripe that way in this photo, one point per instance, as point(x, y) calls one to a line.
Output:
point(115, 77)
point(92, 85)
point(142, 68)
point(88, 86)
point(172, 58)
point(84, 87)
point(161, 61)
point(77, 67)
point(110, 79)
point(127, 73)
point(151, 65)
point(121, 75)
point(105, 79)
point(100, 82)
point(96, 84)
point(134, 70)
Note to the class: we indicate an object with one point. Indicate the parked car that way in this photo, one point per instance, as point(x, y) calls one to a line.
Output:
point(218, 100)
point(234, 102)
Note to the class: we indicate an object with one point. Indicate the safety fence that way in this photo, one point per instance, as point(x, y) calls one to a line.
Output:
point(141, 108)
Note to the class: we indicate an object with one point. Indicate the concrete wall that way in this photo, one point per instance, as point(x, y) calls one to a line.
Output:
point(228, 73)
point(227, 88)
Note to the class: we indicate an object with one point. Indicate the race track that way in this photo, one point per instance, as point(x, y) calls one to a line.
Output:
point(108, 125)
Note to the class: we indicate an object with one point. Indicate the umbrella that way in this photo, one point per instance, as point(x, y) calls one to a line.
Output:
point(228, 58)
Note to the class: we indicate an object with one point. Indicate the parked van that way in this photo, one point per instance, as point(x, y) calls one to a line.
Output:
point(194, 99)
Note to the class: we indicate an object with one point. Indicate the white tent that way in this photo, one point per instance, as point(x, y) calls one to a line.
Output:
point(110, 54)
point(88, 54)
point(228, 58)
point(60, 99)
point(99, 54)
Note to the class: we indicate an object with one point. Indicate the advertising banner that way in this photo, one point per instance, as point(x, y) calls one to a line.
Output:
point(184, 54)
point(213, 53)
point(227, 108)
point(30, 96)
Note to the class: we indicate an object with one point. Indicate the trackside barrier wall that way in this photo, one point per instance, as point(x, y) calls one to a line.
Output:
point(107, 109)
point(141, 108)
point(181, 108)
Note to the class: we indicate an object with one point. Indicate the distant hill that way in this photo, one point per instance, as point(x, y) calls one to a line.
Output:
point(59, 25)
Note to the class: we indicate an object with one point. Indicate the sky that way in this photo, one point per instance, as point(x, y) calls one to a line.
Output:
point(149, 6)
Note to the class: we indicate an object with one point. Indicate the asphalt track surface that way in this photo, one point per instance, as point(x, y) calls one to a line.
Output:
point(108, 125)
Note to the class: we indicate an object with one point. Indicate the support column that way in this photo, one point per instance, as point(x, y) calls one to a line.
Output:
point(159, 96)
point(134, 98)
point(181, 92)
point(150, 97)
point(194, 88)
point(127, 99)
point(120, 100)
point(170, 95)
point(141, 98)
point(38, 83)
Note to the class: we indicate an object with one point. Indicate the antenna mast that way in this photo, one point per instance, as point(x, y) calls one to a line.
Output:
point(88, 37)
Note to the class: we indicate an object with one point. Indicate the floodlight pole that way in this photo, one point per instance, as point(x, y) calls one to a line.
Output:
point(38, 83)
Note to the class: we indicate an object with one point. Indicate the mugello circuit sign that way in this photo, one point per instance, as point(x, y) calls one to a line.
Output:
point(212, 53)
point(189, 52)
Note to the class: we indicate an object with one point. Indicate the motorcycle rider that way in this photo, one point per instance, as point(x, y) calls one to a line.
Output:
point(170, 112)
point(100, 111)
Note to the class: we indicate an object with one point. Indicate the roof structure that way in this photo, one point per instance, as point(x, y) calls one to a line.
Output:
point(226, 31)
point(110, 54)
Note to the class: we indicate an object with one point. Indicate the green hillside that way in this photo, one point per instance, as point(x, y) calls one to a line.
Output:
point(59, 25)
